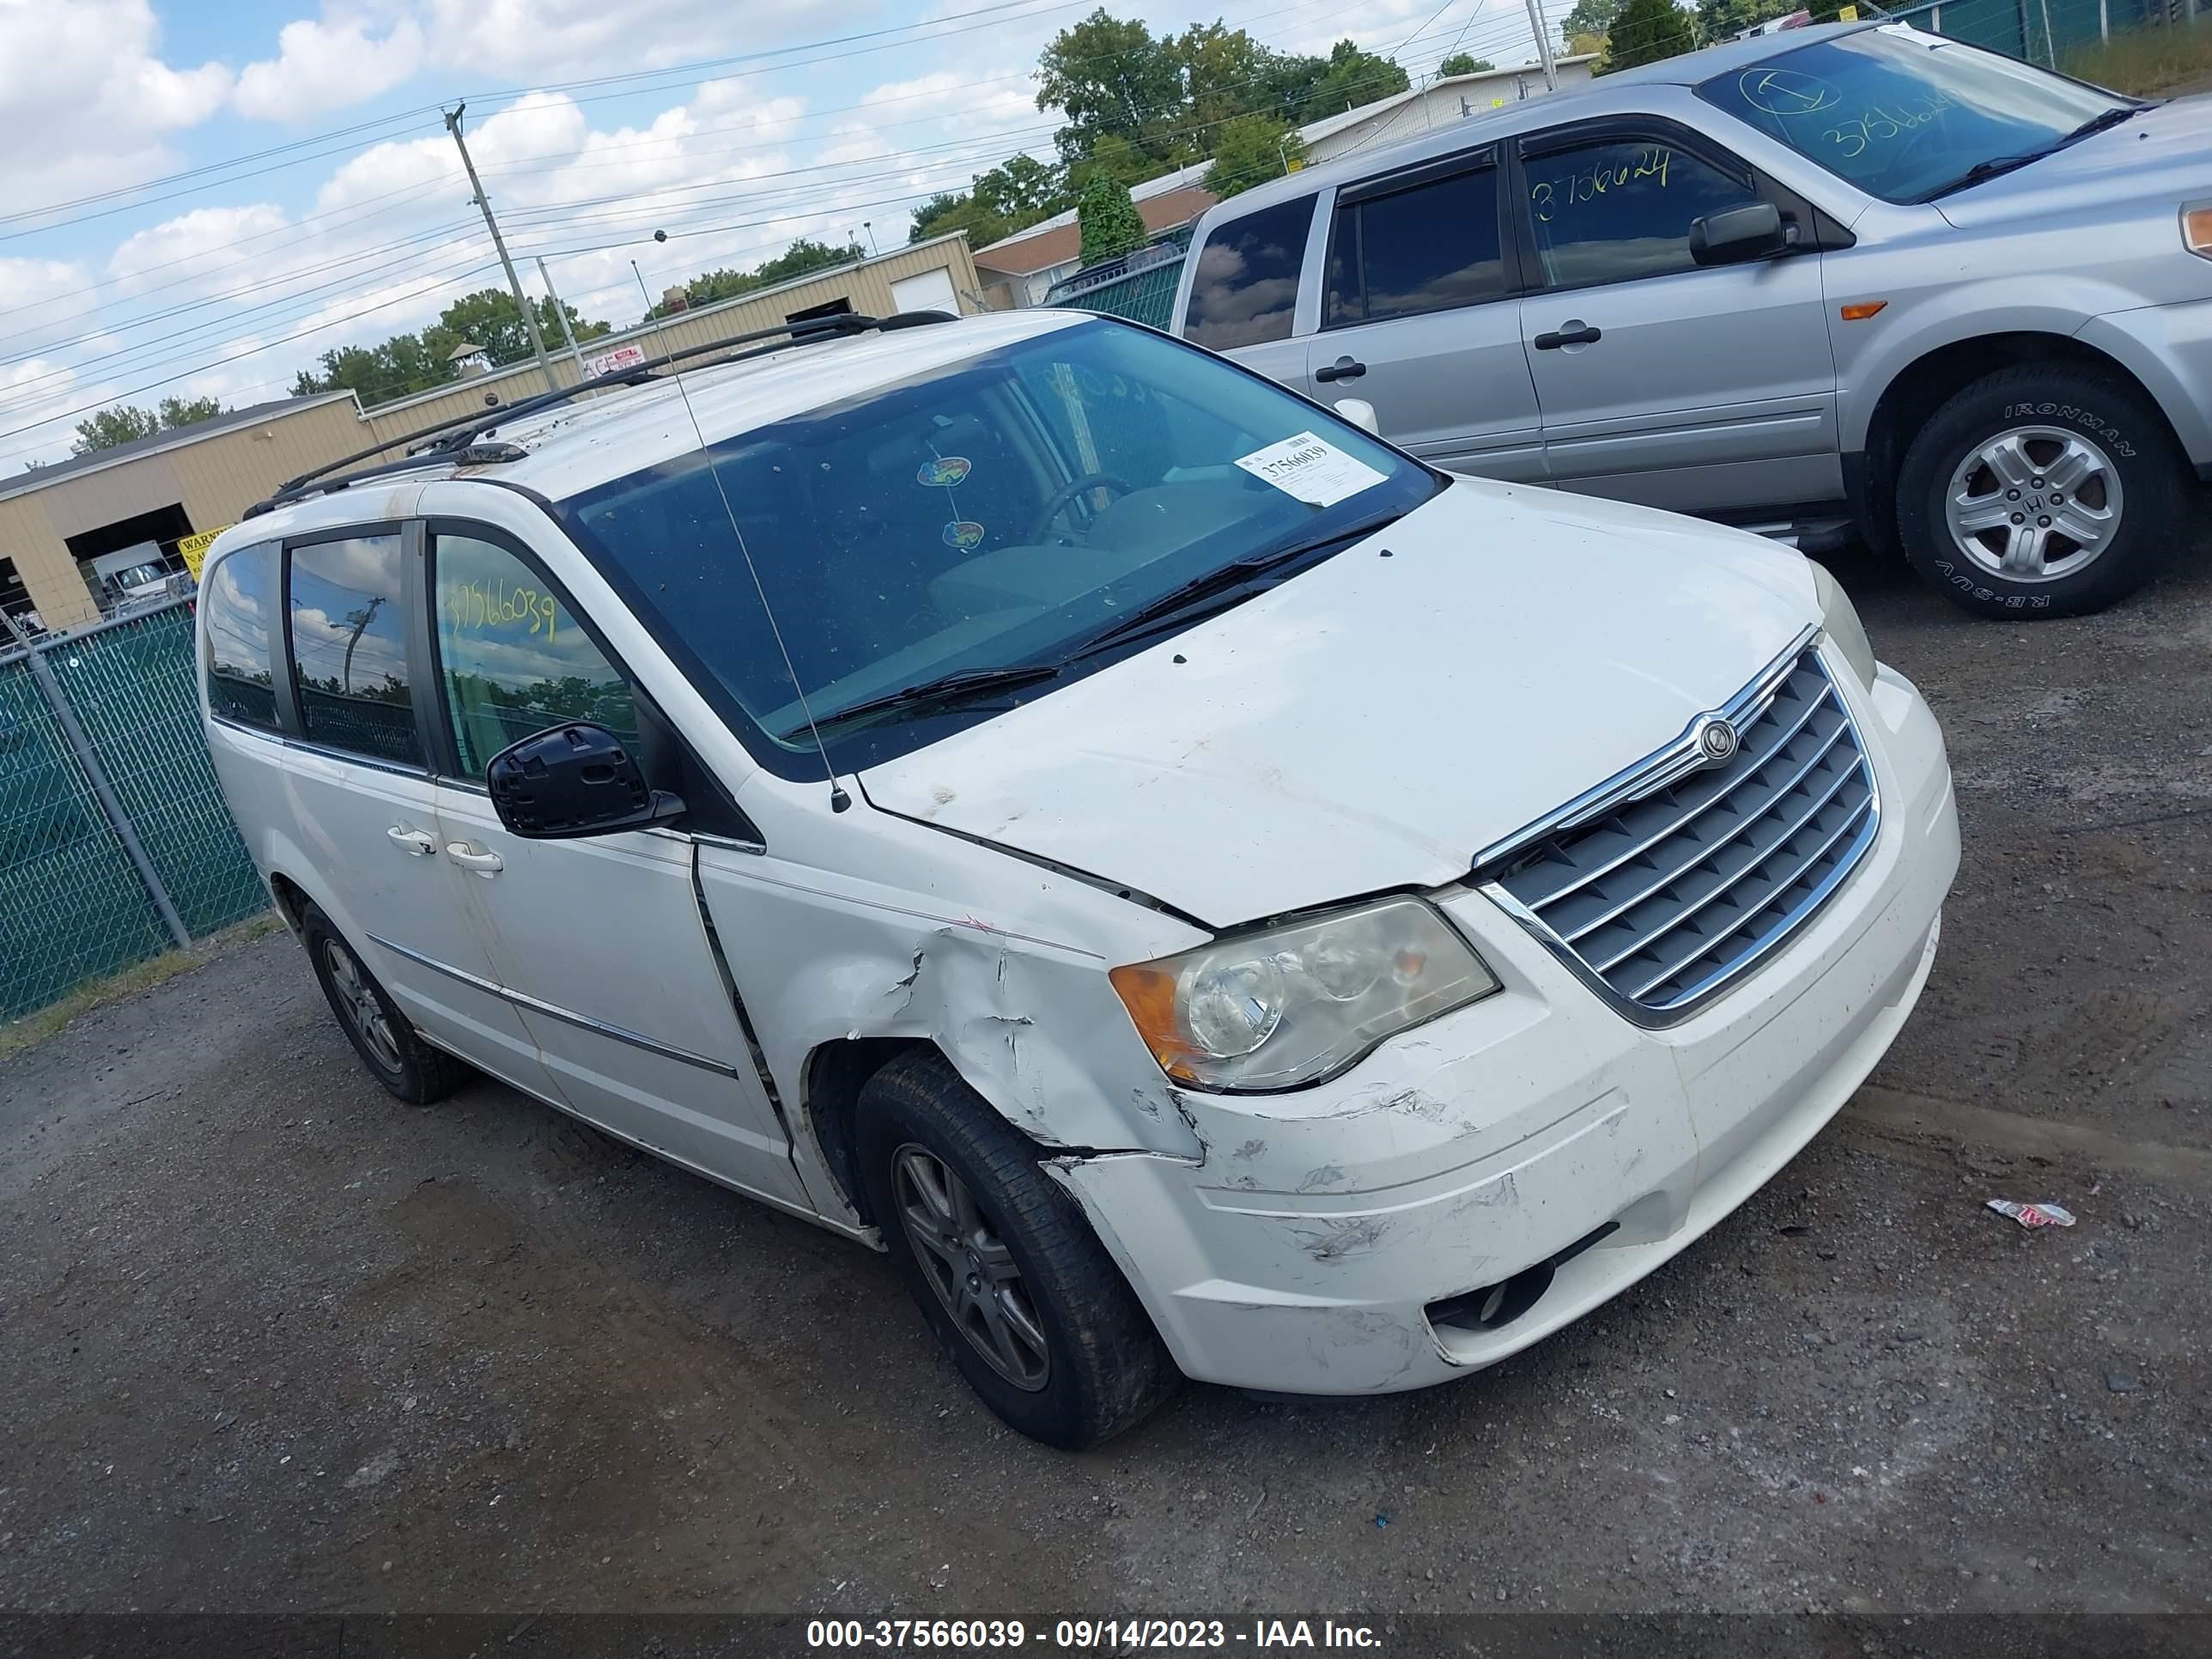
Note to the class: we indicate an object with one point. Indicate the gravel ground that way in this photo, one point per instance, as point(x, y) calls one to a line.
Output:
point(271, 1342)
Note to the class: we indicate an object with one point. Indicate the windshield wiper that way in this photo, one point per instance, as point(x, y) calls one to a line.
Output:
point(1995, 165)
point(966, 685)
point(1195, 598)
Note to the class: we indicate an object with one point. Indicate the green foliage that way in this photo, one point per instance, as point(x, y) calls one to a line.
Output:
point(1825, 11)
point(1249, 150)
point(1354, 77)
point(1111, 78)
point(1009, 197)
point(802, 259)
point(127, 423)
point(1110, 220)
point(408, 363)
point(1722, 20)
point(1463, 63)
point(1644, 31)
point(1592, 17)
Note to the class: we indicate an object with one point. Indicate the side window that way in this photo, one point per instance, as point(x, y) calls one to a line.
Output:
point(238, 604)
point(512, 659)
point(348, 619)
point(1246, 285)
point(1623, 208)
point(1431, 246)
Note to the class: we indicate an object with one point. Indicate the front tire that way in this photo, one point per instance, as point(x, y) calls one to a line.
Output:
point(1002, 1263)
point(395, 1055)
point(2040, 492)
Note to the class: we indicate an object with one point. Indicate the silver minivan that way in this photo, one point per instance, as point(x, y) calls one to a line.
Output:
point(1856, 279)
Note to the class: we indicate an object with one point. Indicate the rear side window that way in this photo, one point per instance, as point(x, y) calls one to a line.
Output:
point(1431, 247)
point(512, 659)
point(348, 627)
point(1621, 208)
point(237, 605)
point(1245, 286)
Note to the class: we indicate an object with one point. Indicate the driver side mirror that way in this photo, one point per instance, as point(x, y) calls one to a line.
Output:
point(573, 780)
point(1755, 231)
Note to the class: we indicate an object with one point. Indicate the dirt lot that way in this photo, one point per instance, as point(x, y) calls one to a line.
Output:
point(269, 1341)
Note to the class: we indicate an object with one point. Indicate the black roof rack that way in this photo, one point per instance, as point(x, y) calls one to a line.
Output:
point(455, 439)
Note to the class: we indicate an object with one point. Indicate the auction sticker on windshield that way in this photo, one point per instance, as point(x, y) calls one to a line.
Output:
point(1311, 469)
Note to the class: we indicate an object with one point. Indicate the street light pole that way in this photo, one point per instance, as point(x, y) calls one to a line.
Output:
point(561, 312)
point(1543, 46)
point(514, 283)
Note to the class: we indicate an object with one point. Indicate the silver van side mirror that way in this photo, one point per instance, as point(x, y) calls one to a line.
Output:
point(1360, 413)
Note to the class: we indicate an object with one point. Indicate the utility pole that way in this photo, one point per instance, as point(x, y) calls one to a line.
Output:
point(1535, 21)
point(561, 312)
point(514, 283)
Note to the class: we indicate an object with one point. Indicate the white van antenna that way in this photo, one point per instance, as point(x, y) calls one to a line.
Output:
point(839, 800)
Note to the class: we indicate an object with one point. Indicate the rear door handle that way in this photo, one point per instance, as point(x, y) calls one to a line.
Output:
point(481, 859)
point(1344, 368)
point(417, 841)
point(1576, 332)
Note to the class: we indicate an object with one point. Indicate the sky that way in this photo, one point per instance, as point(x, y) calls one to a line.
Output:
point(200, 198)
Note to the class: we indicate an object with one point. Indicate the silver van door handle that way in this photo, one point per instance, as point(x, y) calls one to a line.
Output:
point(1576, 333)
point(417, 841)
point(481, 859)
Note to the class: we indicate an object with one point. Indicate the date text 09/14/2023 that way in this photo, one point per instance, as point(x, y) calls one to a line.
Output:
point(1111, 1635)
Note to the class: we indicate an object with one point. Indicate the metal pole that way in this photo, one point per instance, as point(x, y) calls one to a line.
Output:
point(80, 748)
point(1543, 46)
point(2105, 21)
point(514, 283)
point(561, 312)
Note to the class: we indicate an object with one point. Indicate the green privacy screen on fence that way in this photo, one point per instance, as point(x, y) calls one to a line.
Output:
point(72, 905)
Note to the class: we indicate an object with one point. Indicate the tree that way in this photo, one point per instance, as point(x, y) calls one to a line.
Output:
point(1249, 150)
point(1722, 19)
point(127, 423)
point(1111, 77)
point(408, 363)
point(1111, 224)
point(1012, 197)
point(1463, 63)
point(1644, 31)
point(1354, 77)
point(1591, 17)
point(1828, 11)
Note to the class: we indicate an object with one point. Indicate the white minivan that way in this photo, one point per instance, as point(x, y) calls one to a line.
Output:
point(1209, 894)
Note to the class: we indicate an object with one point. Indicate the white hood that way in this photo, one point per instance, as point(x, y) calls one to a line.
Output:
point(1372, 723)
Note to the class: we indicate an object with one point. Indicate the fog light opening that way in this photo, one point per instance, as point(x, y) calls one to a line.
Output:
point(1493, 1306)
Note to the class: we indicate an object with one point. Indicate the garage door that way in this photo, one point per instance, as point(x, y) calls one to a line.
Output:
point(931, 291)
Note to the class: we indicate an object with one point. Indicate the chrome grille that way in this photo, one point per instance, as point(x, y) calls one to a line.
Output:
point(1668, 882)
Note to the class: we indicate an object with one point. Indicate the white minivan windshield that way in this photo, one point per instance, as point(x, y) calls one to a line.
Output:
point(939, 549)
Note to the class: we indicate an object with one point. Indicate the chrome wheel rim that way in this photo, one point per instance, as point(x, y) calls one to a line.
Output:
point(358, 1003)
point(971, 1269)
point(2034, 504)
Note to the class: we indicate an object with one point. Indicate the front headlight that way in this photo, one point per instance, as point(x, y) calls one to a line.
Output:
point(1839, 621)
point(2196, 228)
point(1297, 1004)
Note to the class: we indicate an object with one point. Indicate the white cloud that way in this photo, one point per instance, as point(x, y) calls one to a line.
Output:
point(553, 39)
point(86, 101)
point(324, 66)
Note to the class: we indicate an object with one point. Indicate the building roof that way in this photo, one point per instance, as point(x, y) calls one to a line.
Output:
point(466, 348)
point(1162, 203)
point(1314, 132)
point(174, 437)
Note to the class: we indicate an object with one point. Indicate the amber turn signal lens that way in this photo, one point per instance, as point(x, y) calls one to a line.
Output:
point(1859, 311)
point(1149, 994)
point(2197, 229)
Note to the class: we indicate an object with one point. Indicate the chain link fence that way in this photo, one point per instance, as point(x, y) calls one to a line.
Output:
point(115, 844)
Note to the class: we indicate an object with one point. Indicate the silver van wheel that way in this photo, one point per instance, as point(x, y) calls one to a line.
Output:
point(2034, 504)
point(358, 1003)
point(971, 1269)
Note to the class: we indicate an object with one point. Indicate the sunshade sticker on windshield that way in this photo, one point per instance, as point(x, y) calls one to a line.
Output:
point(1311, 469)
point(944, 471)
point(963, 534)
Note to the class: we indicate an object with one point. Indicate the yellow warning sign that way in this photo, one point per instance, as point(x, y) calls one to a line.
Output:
point(193, 549)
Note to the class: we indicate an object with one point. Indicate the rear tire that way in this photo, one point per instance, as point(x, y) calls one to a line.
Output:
point(2040, 492)
point(1002, 1263)
point(393, 1051)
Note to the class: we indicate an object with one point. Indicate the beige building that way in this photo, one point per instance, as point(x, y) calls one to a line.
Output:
point(63, 527)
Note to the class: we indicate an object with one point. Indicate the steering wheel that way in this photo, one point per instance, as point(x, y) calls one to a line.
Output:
point(1068, 492)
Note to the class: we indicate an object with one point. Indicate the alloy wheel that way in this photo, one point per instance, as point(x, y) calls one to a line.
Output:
point(2033, 503)
point(969, 1267)
point(358, 1003)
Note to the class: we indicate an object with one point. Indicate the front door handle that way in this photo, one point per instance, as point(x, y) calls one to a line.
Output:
point(1576, 332)
point(419, 842)
point(1344, 368)
point(482, 860)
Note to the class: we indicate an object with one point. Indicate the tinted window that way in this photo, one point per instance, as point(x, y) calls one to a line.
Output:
point(1432, 247)
point(999, 511)
point(236, 604)
point(1901, 114)
point(1246, 281)
point(512, 659)
point(348, 623)
point(1622, 208)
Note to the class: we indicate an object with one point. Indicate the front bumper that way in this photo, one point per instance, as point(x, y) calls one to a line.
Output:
point(1305, 1251)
